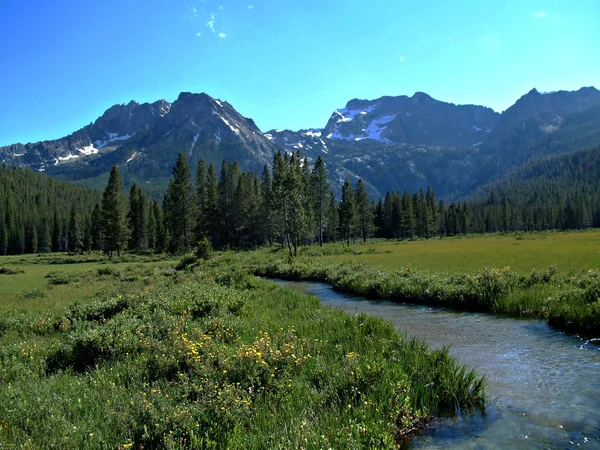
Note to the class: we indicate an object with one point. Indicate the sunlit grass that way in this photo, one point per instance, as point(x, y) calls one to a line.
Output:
point(211, 357)
point(522, 252)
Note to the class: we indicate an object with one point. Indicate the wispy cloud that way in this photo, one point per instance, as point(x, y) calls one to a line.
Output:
point(199, 34)
point(211, 23)
point(401, 58)
point(222, 35)
point(539, 14)
point(250, 6)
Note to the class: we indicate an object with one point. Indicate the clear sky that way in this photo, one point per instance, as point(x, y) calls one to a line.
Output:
point(284, 63)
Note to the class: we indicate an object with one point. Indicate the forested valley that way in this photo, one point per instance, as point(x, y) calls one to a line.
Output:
point(292, 205)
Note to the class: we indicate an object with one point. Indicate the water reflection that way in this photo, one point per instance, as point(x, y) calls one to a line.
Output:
point(545, 385)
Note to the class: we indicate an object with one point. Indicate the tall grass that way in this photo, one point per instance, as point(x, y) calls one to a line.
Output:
point(569, 300)
point(211, 357)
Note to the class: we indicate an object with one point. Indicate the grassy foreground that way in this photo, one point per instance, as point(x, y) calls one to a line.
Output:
point(207, 357)
point(565, 289)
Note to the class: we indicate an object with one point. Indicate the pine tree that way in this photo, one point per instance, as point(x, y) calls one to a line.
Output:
point(201, 227)
point(96, 228)
point(228, 182)
point(113, 221)
point(396, 221)
point(293, 190)
point(44, 238)
point(267, 206)
point(347, 211)
point(333, 218)
point(280, 196)
point(408, 217)
point(364, 210)
point(180, 208)
point(211, 212)
point(74, 241)
point(56, 232)
point(138, 219)
point(160, 240)
point(378, 219)
point(320, 190)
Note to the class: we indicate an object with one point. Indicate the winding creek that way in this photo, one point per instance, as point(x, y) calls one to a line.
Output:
point(543, 386)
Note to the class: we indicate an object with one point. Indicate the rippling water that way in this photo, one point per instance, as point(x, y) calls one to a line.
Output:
point(544, 386)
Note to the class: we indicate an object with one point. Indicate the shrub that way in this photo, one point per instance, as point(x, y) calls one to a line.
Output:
point(33, 293)
point(204, 248)
point(185, 262)
point(10, 271)
point(106, 270)
point(59, 278)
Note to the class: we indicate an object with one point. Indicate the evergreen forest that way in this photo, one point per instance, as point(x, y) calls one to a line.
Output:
point(291, 204)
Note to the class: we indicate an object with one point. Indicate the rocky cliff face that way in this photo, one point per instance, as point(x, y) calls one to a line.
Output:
point(145, 139)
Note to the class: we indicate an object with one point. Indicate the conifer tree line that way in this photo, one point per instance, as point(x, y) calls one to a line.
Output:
point(291, 204)
point(39, 214)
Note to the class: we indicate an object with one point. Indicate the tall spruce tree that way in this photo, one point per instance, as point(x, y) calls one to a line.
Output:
point(347, 211)
point(201, 227)
point(74, 240)
point(96, 228)
point(211, 213)
point(295, 226)
point(113, 222)
point(180, 208)
point(267, 206)
point(320, 191)
point(364, 210)
point(138, 219)
point(160, 239)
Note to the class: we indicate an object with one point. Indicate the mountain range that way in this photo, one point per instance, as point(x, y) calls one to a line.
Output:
point(392, 143)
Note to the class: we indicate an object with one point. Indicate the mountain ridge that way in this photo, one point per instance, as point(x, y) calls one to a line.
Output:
point(391, 142)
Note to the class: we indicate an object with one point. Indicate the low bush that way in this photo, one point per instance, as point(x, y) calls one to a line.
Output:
point(10, 271)
point(32, 293)
point(58, 278)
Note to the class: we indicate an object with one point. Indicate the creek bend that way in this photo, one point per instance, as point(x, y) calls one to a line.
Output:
point(543, 387)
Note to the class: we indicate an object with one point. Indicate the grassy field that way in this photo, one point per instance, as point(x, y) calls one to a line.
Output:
point(574, 251)
point(159, 354)
point(44, 283)
point(553, 276)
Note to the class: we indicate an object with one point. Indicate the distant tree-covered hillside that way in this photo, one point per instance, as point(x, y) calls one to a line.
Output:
point(560, 192)
point(35, 211)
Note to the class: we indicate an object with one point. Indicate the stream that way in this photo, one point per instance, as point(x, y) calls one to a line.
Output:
point(543, 387)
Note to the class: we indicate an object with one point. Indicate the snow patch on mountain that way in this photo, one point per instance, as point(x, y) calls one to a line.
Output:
point(87, 150)
point(375, 128)
point(373, 131)
point(112, 137)
point(132, 157)
point(66, 158)
point(348, 115)
point(217, 137)
point(196, 138)
point(234, 129)
point(313, 133)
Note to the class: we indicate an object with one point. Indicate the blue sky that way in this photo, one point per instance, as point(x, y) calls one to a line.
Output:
point(286, 64)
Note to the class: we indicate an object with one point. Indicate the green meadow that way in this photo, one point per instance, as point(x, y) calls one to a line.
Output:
point(551, 276)
point(146, 353)
point(573, 251)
